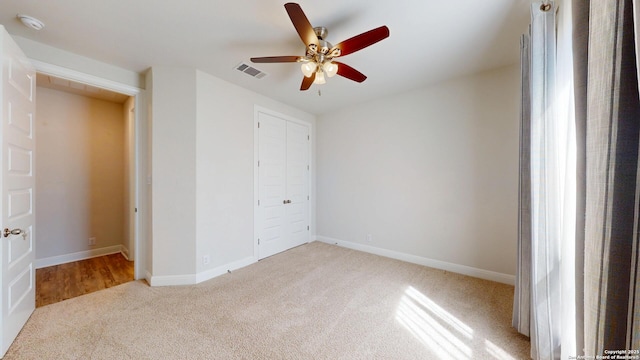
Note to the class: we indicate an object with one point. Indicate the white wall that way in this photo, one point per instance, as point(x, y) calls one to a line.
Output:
point(202, 166)
point(80, 167)
point(173, 168)
point(472, 123)
point(431, 173)
point(225, 165)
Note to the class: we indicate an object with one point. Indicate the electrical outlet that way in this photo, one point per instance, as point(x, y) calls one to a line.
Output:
point(206, 260)
point(369, 239)
point(92, 241)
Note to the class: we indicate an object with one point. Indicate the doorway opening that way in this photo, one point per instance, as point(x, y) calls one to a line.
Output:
point(85, 188)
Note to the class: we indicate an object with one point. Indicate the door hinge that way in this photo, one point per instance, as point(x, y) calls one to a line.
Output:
point(136, 209)
point(307, 167)
point(258, 125)
point(258, 241)
point(308, 138)
point(258, 202)
point(307, 227)
point(258, 163)
point(307, 197)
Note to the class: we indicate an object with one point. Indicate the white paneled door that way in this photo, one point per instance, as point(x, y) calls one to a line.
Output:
point(283, 184)
point(17, 107)
point(297, 190)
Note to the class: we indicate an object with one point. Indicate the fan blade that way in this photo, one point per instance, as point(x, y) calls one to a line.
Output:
point(275, 59)
point(301, 23)
point(349, 72)
point(307, 81)
point(361, 41)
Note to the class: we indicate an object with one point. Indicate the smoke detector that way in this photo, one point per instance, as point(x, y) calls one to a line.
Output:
point(31, 22)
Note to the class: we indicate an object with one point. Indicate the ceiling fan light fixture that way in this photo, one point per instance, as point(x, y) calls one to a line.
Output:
point(308, 68)
point(319, 78)
point(330, 68)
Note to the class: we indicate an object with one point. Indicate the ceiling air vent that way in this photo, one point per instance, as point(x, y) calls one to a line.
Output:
point(250, 70)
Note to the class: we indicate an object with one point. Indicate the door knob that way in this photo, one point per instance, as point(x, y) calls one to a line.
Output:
point(286, 201)
point(8, 232)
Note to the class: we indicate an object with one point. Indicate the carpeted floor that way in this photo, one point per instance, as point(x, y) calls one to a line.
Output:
point(316, 301)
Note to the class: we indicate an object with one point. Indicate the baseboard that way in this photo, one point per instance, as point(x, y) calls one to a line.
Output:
point(125, 252)
point(220, 270)
point(172, 280)
point(437, 264)
point(77, 256)
point(192, 279)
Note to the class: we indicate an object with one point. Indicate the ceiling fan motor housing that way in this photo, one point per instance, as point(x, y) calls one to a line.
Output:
point(323, 45)
point(321, 32)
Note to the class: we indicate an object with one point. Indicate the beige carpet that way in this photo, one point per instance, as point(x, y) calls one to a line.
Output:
point(316, 301)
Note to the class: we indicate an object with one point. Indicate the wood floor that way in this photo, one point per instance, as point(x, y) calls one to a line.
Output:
point(61, 282)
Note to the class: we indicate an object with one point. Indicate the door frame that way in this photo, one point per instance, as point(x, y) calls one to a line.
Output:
point(257, 109)
point(137, 251)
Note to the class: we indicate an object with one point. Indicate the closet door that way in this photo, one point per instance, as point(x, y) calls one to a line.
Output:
point(297, 189)
point(283, 184)
point(272, 169)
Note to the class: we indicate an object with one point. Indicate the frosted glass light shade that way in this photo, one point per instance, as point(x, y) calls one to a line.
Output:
point(320, 78)
point(330, 68)
point(309, 68)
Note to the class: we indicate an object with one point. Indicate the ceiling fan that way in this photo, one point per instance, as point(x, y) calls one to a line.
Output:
point(318, 61)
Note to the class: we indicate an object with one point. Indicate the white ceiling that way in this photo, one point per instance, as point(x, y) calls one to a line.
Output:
point(430, 40)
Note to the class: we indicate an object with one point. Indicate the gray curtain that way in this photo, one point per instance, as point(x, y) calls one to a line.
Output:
point(580, 14)
point(522, 297)
point(608, 122)
point(607, 206)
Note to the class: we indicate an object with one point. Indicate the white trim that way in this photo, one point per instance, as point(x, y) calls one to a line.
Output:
point(192, 279)
point(223, 269)
point(140, 161)
point(139, 191)
point(172, 280)
point(125, 252)
point(260, 109)
point(84, 78)
point(256, 187)
point(77, 256)
point(436, 264)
